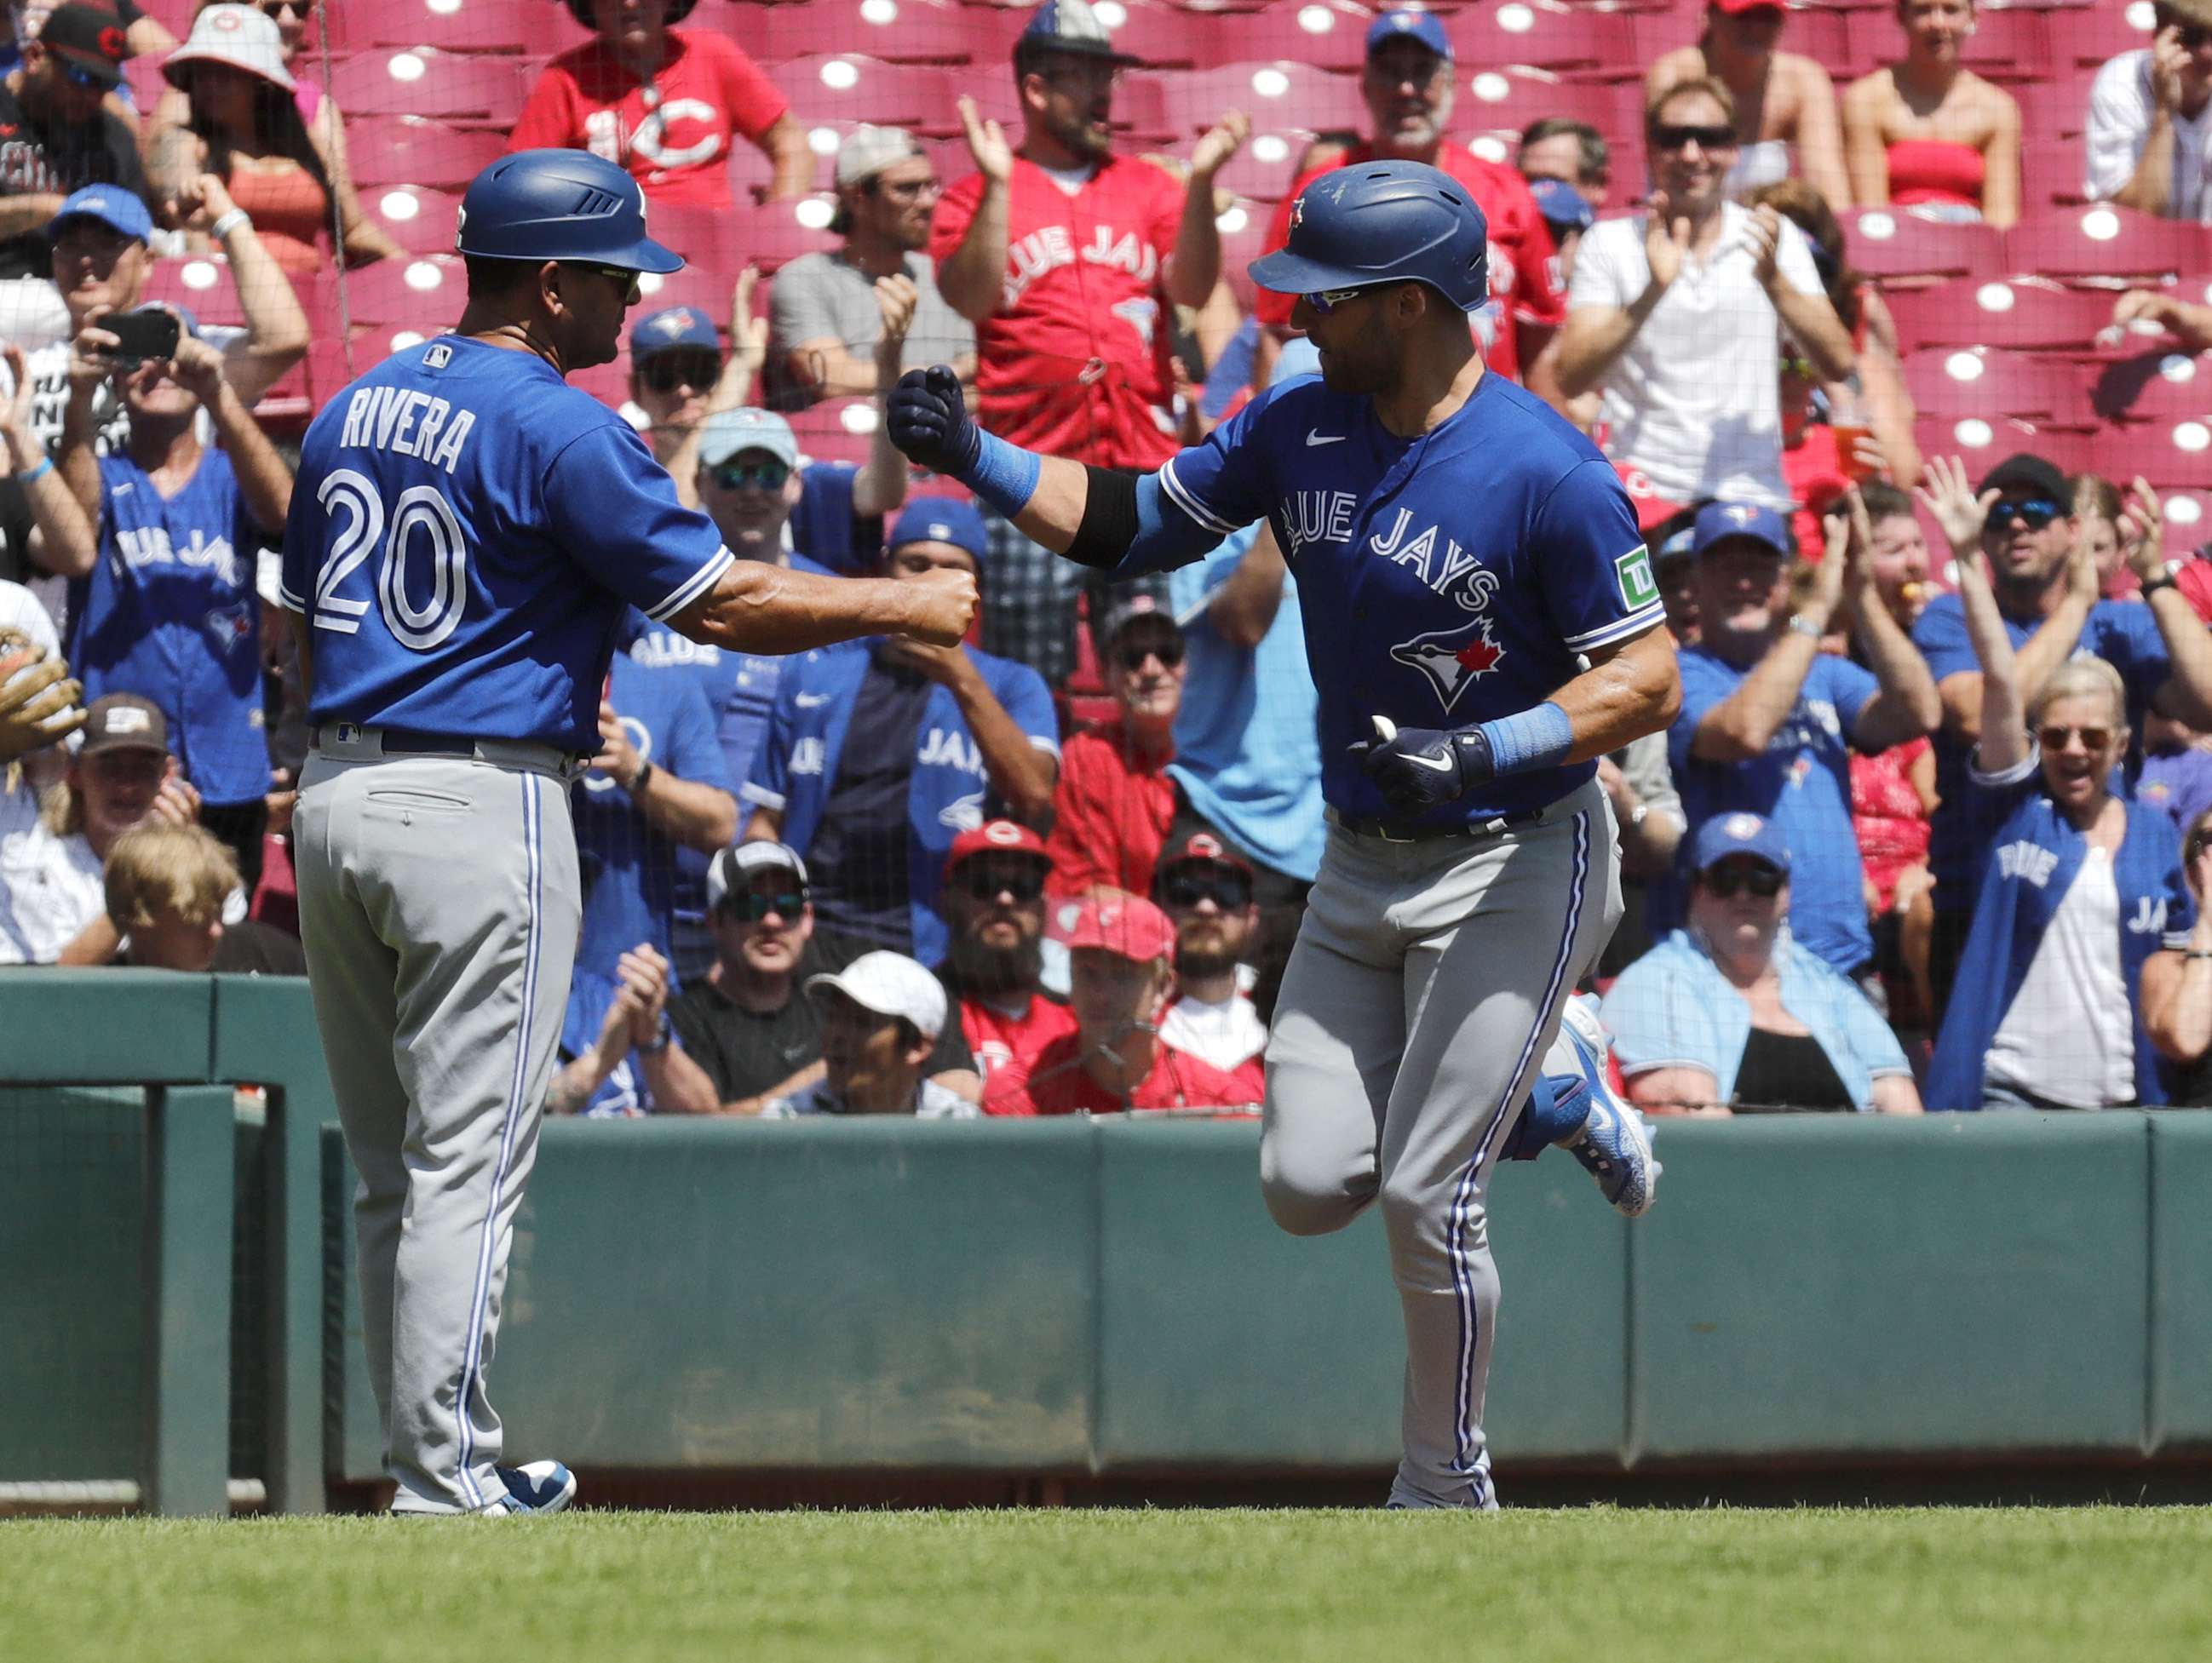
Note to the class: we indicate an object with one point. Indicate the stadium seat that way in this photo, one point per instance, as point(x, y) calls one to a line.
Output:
point(2056, 108)
point(1955, 383)
point(2160, 385)
point(1502, 101)
point(837, 430)
point(2085, 37)
point(456, 87)
point(1328, 37)
point(2102, 243)
point(1545, 35)
point(2022, 315)
point(1897, 243)
point(1162, 37)
point(2051, 174)
point(408, 150)
point(847, 86)
point(201, 283)
point(425, 294)
point(420, 220)
point(1275, 95)
point(474, 26)
point(2006, 45)
point(2188, 520)
point(1244, 232)
point(2168, 454)
point(1266, 167)
point(893, 30)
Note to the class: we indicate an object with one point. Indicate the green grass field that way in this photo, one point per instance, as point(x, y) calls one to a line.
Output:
point(1588, 1585)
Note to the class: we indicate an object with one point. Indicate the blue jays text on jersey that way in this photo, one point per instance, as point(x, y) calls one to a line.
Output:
point(467, 575)
point(169, 612)
point(1447, 580)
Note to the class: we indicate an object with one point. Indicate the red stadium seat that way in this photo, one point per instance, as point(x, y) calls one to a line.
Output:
point(1891, 243)
point(201, 283)
point(2176, 452)
point(849, 87)
point(1265, 168)
point(1328, 37)
point(1953, 383)
point(2022, 314)
point(424, 294)
point(408, 150)
point(837, 430)
point(1243, 232)
point(2006, 45)
point(2160, 385)
point(2103, 243)
point(420, 220)
point(2188, 520)
point(2051, 174)
point(1982, 443)
point(2055, 109)
point(474, 26)
point(1275, 95)
point(893, 30)
point(1161, 37)
point(1545, 35)
point(2088, 36)
point(458, 86)
point(1502, 100)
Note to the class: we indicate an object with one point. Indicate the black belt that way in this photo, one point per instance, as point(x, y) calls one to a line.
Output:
point(1416, 831)
point(411, 742)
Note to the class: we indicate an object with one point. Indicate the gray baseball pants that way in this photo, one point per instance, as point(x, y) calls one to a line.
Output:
point(439, 904)
point(1421, 997)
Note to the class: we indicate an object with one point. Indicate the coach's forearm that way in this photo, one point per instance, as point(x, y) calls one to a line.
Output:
point(774, 611)
point(1631, 688)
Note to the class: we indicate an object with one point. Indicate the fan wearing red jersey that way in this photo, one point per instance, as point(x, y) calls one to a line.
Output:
point(993, 905)
point(1119, 955)
point(1407, 84)
point(1067, 259)
point(1115, 801)
point(664, 104)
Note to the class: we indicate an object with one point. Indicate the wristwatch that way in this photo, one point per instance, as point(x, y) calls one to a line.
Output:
point(2163, 581)
point(638, 780)
point(1805, 627)
point(660, 1038)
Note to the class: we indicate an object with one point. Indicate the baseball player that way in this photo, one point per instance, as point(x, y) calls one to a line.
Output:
point(1482, 626)
point(465, 537)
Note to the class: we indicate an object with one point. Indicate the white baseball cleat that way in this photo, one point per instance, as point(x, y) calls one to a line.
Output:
point(1614, 1146)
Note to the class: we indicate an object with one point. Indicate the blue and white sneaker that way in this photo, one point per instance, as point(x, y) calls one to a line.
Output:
point(1614, 1144)
point(536, 1487)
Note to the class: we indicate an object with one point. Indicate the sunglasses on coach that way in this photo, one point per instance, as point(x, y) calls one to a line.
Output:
point(1226, 890)
point(736, 475)
point(2035, 513)
point(1763, 881)
point(749, 909)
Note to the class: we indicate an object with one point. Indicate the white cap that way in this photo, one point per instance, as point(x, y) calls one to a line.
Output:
point(242, 36)
point(890, 985)
point(736, 865)
point(867, 150)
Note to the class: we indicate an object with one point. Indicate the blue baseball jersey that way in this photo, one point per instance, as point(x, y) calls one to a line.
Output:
point(1444, 580)
point(170, 613)
point(466, 535)
point(629, 868)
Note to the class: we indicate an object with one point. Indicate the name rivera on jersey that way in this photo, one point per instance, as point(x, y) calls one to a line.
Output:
point(407, 422)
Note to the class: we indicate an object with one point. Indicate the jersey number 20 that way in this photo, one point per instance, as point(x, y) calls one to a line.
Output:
point(421, 508)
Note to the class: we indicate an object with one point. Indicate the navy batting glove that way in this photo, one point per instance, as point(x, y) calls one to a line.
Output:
point(928, 421)
point(1419, 768)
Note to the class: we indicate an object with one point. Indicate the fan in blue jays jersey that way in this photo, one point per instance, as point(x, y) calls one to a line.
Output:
point(1482, 625)
point(467, 535)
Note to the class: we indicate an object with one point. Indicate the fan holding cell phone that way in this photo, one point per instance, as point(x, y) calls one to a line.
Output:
point(171, 609)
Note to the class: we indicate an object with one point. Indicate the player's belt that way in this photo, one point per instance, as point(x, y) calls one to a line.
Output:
point(417, 741)
point(1417, 831)
point(413, 742)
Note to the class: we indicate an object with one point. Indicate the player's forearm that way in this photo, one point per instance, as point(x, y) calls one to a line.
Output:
point(1631, 688)
point(970, 277)
point(774, 610)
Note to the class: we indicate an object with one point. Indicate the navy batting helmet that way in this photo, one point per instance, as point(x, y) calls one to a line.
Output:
point(559, 205)
point(1380, 222)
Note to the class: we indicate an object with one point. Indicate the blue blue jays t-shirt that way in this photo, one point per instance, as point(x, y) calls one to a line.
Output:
point(2123, 634)
point(465, 534)
point(1802, 782)
point(628, 866)
point(1444, 580)
point(170, 613)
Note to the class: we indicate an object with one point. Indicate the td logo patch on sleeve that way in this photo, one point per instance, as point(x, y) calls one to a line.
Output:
point(1633, 570)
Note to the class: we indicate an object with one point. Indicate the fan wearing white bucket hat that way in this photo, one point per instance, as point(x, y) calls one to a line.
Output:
point(243, 122)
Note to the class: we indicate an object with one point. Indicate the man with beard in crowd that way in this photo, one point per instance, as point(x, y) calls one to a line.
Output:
point(1204, 887)
point(994, 901)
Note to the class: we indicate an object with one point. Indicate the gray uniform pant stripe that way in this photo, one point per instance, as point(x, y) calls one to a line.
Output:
point(1426, 981)
point(439, 904)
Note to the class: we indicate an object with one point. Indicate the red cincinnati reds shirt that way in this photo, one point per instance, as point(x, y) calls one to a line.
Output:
point(1110, 818)
point(1007, 1047)
point(1056, 1083)
point(678, 151)
point(1074, 362)
point(1521, 253)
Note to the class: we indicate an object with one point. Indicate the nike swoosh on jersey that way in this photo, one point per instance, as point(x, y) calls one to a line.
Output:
point(1314, 436)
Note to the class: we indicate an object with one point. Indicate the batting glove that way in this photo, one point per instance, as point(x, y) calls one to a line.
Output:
point(928, 421)
point(1418, 768)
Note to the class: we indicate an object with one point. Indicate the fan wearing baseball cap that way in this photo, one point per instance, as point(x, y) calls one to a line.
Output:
point(60, 137)
point(994, 901)
point(1120, 952)
point(1206, 888)
point(1115, 801)
point(880, 1017)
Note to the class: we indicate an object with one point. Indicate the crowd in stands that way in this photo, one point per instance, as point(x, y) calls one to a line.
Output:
point(1887, 318)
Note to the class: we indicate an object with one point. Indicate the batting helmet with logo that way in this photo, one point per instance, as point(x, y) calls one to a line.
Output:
point(1380, 222)
point(559, 205)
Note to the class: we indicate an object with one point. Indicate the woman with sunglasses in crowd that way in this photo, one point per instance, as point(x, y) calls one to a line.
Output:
point(244, 120)
point(1729, 1014)
point(2068, 993)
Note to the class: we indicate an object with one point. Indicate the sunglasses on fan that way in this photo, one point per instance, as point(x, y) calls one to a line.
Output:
point(2035, 513)
point(1762, 881)
point(748, 908)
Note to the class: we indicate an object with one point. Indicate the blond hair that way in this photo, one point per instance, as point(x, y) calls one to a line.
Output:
point(158, 867)
point(1712, 86)
point(2084, 678)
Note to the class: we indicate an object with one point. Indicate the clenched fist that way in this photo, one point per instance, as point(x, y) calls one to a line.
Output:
point(927, 417)
point(942, 604)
